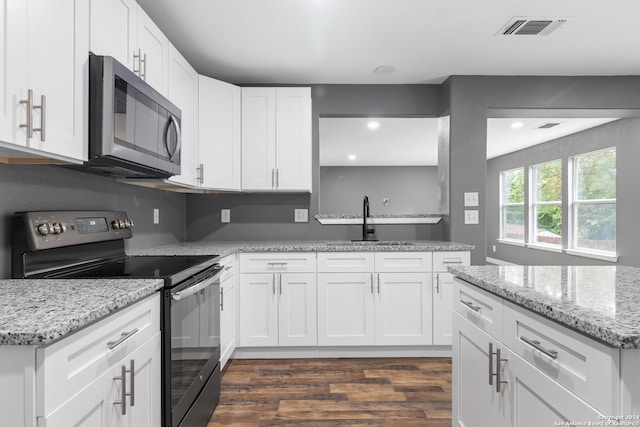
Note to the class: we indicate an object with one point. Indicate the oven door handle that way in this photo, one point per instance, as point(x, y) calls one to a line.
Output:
point(177, 296)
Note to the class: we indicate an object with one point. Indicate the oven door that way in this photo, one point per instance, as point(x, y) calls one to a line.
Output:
point(191, 344)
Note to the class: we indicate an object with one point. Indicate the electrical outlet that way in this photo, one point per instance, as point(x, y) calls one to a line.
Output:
point(225, 215)
point(471, 216)
point(156, 216)
point(493, 248)
point(471, 199)
point(301, 215)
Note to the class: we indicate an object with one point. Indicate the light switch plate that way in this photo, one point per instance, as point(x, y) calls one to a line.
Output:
point(471, 198)
point(225, 215)
point(301, 215)
point(471, 216)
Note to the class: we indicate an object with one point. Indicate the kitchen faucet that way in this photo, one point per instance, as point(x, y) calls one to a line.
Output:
point(365, 214)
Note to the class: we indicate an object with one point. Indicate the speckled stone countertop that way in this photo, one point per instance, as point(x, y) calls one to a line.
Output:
point(227, 248)
point(599, 301)
point(39, 311)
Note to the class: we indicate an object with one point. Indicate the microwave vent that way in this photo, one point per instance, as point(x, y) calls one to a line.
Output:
point(531, 27)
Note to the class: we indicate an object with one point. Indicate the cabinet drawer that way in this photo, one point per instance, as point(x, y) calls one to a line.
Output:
point(350, 262)
point(441, 260)
point(586, 367)
point(479, 307)
point(400, 262)
point(228, 265)
point(69, 365)
point(278, 263)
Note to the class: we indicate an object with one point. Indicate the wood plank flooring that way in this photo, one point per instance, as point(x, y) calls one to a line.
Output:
point(390, 392)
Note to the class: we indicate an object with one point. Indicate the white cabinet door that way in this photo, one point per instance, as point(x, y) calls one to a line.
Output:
point(227, 320)
point(258, 138)
point(537, 400)
point(113, 30)
point(258, 310)
point(154, 50)
point(403, 308)
point(442, 308)
point(183, 92)
point(96, 405)
point(346, 309)
point(297, 309)
point(219, 136)
point(293, 139)
point(475, 401)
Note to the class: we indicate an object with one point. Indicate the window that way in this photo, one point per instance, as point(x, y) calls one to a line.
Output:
point(593, 207)
point(546, 203)
point(512, 205)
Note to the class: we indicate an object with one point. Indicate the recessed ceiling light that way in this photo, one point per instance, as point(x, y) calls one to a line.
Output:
point(517, 125)
point(373, 125)
point(352, 157)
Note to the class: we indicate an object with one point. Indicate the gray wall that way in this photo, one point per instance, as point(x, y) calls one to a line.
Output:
point(469, 100)
point(342, 189)
point(43, 187)
point(268, 217)
point(624, 135)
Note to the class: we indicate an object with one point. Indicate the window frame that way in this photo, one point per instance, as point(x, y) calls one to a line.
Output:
point(575, 203)
point(534, 203)
point(504, 205)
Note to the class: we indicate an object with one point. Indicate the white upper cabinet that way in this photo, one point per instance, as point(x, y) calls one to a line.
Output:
point(219, 134)
point(276, 139)
point(183, 92)
point(43, 81)
point(122, 29)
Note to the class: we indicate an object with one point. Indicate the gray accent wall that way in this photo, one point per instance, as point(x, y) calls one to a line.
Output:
point(469, 100)
point(270, 216)
point(625, 136)
point(342, 189)
point(48, 187)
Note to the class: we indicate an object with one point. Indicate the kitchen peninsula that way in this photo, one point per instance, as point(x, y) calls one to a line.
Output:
point(560, 343)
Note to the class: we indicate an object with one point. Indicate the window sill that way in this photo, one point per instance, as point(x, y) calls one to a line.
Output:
point(511, 242)
point(548, 248)
point(594, 255)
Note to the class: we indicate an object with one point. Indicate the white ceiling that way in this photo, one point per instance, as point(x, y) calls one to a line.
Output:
point(502, 138)
point(396, 142)
point(424, 41)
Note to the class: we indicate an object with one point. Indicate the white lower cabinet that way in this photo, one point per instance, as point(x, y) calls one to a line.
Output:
point(101, 402)
point(278, 309)
point(494, 386)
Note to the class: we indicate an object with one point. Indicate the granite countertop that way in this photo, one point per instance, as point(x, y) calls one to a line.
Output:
point(599, 301)
point(229, 247)
point(39, 311)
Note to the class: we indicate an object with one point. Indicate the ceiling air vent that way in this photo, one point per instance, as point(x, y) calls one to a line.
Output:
point(547, 125)
point(531, 27)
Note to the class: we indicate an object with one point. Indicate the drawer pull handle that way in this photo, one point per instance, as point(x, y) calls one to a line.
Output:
point(536, 344)
point(123, 337)
point(458, 261)
point(282, 265)
point(469, 304)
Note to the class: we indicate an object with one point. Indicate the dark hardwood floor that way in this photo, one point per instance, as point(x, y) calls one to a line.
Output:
point(390, 392)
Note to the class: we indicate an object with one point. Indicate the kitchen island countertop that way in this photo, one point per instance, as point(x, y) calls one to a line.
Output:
point(224, 248)
point(39, 311)
point(598, 301)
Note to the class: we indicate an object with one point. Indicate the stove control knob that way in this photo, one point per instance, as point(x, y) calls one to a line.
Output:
point(115, 224)
point(127, 223)
point(121, 222)
point(43, 229)
point(130, 223)
point(63, 227)
point(56, 229)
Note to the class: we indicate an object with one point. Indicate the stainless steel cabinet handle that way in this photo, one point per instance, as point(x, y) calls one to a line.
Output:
point(43, 117)
point(452, 261)
point(437, 282)
point(143, 74)
point(277, 178)
point(371, 283)
point(498, 370)
point(221, 300)
point(491, 353)
point(138, 57)
point(273, 173)
point(123, 337)
point(536, 344)
point(282, 265)
point(273, 284)
point(378, 283)
point(29, 124)
point(469, 304)
point(123, 390)
point(132, 372)
point(280, 283)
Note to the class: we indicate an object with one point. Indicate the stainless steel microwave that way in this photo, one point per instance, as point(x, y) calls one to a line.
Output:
point(134, 131)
